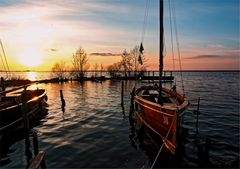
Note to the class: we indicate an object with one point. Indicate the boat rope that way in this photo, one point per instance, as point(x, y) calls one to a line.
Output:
point(4, 67)
point(178, 48)
point(145, 20)
point(171, 32)
point(164, 140)
point(6, 62)
point(3, 63)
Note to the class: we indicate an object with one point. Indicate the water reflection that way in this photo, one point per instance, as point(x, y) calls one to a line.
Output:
point(91, 131)
point(32, 76)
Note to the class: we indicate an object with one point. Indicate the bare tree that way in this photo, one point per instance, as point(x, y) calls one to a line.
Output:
point(101, 69)
point(138, 68)
point(95, 67)
point(80, 63)
point(114, 69)
point(59, 69)
point(127, 62)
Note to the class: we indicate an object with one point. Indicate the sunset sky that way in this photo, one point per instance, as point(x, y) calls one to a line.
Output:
point(37, 34)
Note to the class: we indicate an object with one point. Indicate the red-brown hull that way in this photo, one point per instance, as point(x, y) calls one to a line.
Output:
point(162, 120)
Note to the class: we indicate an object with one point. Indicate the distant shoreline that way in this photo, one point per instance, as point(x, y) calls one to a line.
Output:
point(130, 71)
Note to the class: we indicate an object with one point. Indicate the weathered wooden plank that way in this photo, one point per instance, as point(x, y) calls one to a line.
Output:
point(38, 161)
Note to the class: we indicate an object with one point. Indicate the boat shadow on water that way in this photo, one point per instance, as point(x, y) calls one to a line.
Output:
point(16, 134)
point(193, 150)
point(146, 140)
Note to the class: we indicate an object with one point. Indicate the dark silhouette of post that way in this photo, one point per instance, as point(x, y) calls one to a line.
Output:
point(62, 100)
point(122, 93)
point(197, 113)
point(24, 110)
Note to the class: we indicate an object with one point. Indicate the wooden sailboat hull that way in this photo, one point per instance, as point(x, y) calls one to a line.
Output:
point(161, 119)
point(11, 113)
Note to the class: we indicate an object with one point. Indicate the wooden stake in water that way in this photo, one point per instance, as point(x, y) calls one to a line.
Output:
point(62, 98)
point(63, 101)
point(197, 112)
point(35, 142)
point(132, 103)
point(122, 94)
point(24, 111)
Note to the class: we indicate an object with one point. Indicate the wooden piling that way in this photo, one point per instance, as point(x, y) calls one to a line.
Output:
point(197, 112)
point(200, 155)
point(203, 153)
point(148, 76)
point(62, 99)
point(2, 83)
point(38, 161)
point(35, 143)
point(24, 110)
point(153, 77)
point(131, 111)
point(122, 93)
point(207, 149)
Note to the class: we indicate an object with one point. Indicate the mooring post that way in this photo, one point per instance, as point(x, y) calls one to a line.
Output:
point(149, 76)
point(200, 155)
point(35, 142)
point(153, 77)
point(122, 93)
point(24, 110)
point(132, 102)
point(2, 84)
point(62, 98)
point(39, 160)
point(207, 148)
point(197, 112)
point(203, 153)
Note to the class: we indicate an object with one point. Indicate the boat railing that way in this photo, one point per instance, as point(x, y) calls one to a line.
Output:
point(3, 93)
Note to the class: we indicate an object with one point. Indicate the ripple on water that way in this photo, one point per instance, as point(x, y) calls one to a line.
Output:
point(93, 131)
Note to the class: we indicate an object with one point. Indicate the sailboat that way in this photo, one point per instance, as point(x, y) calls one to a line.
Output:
point(160, 109)
point(17, 102)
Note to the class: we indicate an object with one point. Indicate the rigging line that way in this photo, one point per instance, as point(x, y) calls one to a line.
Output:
point(4, 67)
point(164, 140)
point(145, 20)
point(171, 31)
point(8, 70)
point(178, 48)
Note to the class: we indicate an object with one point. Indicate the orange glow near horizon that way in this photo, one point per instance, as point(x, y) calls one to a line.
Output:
point(34, 60)
point(36, 35)
point(30, 58)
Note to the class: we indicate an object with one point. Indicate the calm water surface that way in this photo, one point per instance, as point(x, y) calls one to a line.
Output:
point(94, 131)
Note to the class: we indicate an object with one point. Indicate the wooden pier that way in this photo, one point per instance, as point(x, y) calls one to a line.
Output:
point(153, 75)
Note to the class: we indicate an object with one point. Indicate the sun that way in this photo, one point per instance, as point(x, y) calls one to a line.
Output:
point(31, 57)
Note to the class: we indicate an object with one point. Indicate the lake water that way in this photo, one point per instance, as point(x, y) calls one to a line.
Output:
point(94, 131)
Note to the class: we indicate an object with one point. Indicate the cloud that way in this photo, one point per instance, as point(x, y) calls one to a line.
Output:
point(214, 57)
point(104, 54)
point(53, 50)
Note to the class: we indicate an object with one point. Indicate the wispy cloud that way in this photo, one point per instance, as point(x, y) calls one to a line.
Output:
point(56, 28)
point(214, 57)
point(105, 54)
point(53, 50)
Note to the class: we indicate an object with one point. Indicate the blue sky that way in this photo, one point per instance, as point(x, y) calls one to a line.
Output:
point(208, 31)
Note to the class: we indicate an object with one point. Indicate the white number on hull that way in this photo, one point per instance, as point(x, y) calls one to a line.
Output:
point(165, 120)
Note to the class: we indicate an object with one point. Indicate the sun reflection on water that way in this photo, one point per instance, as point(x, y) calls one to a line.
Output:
point(32, 76)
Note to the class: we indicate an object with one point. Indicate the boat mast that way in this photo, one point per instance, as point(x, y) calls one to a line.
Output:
point(160, 51)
